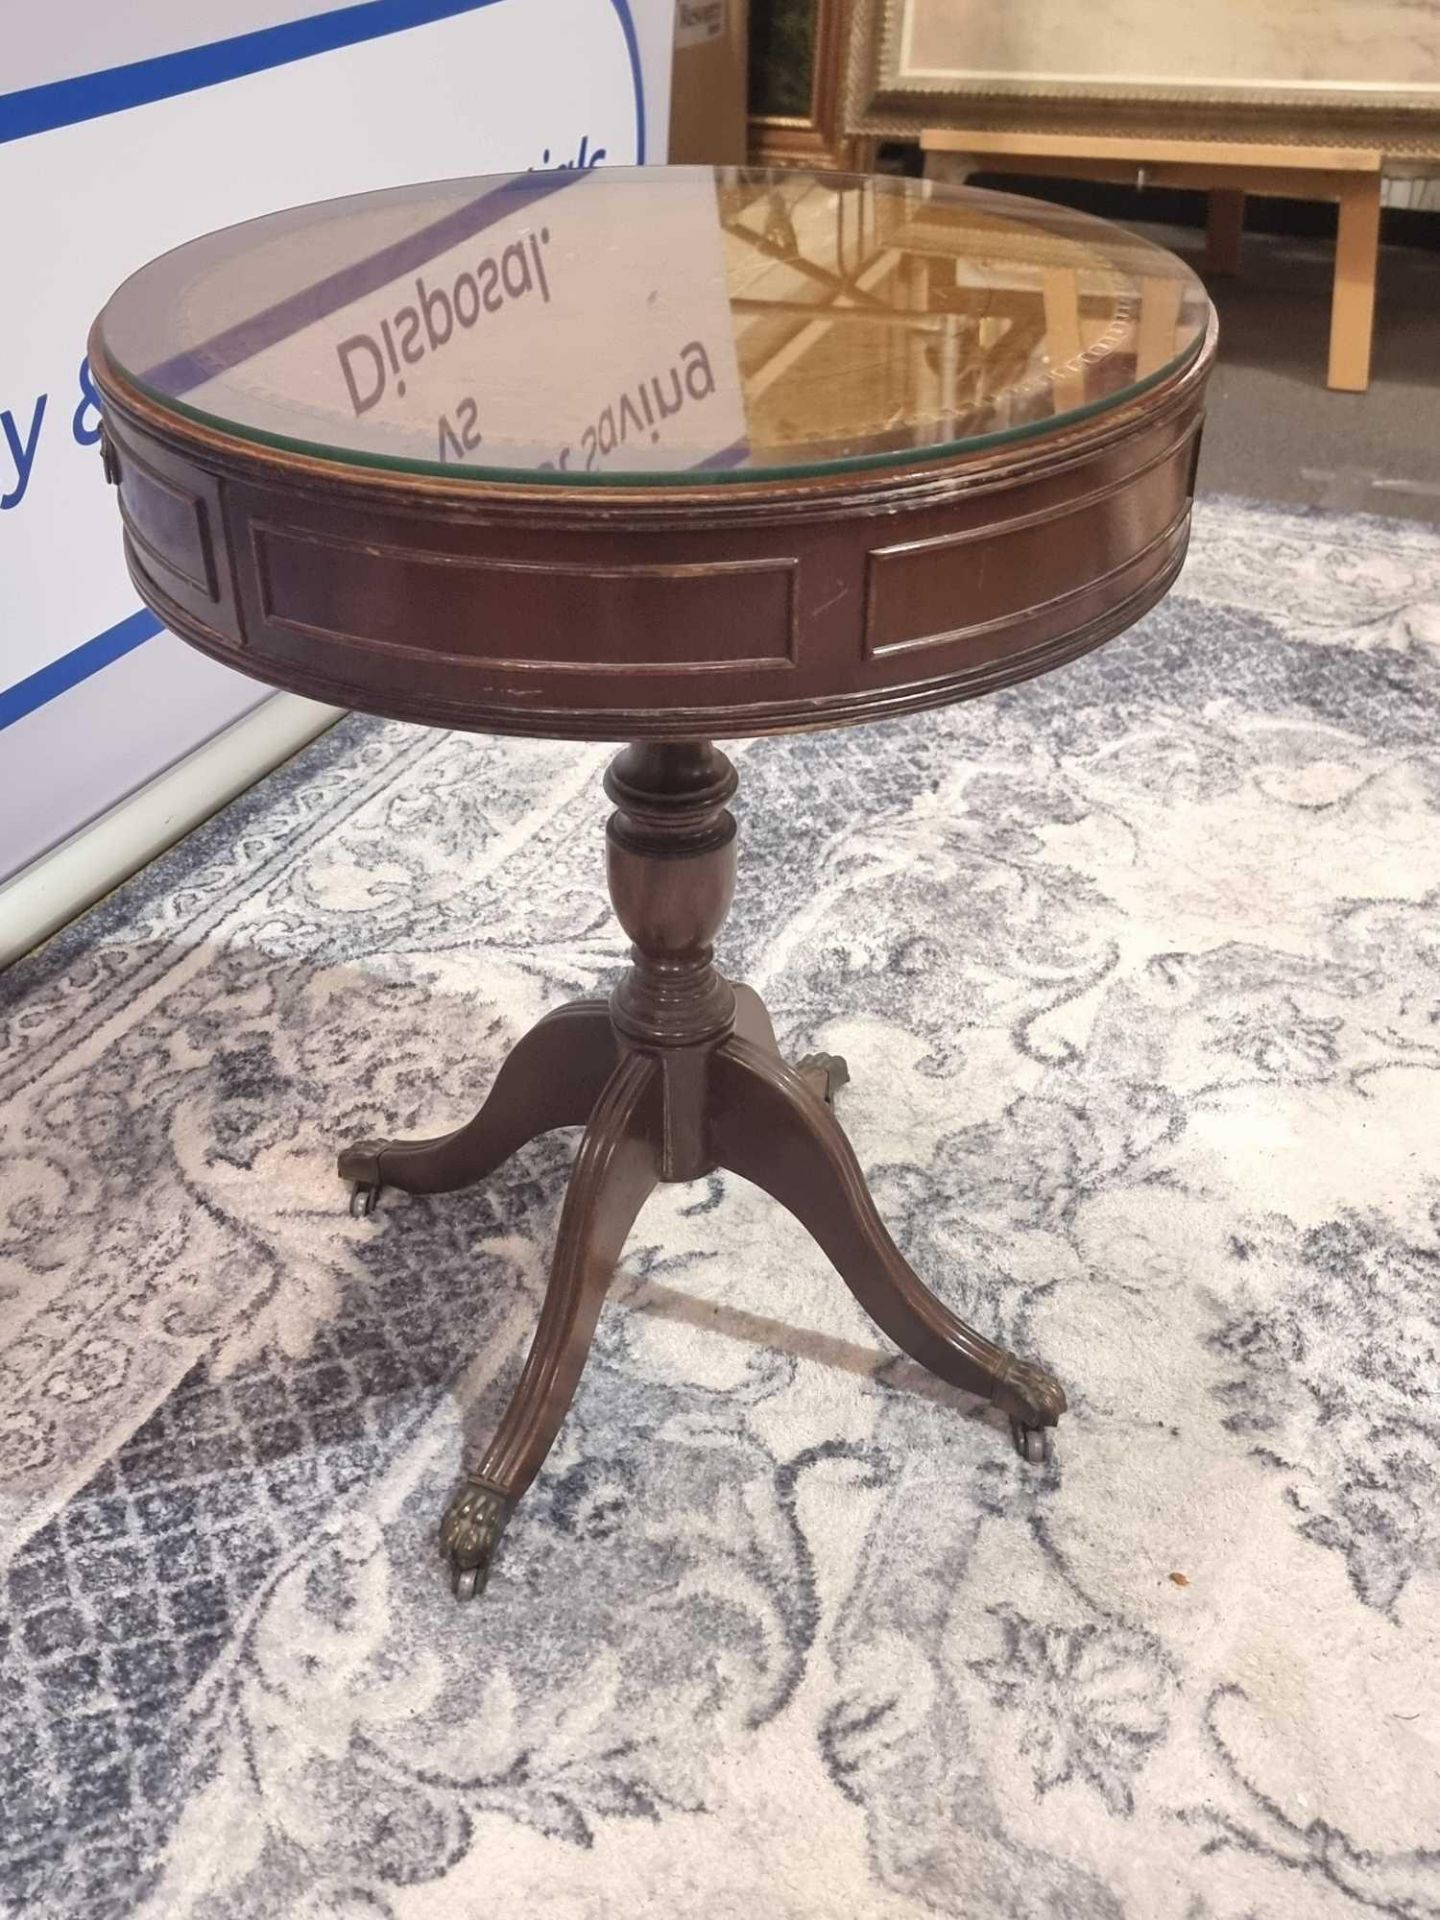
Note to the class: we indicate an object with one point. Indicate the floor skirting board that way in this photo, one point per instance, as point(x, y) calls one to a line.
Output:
point(52, 890)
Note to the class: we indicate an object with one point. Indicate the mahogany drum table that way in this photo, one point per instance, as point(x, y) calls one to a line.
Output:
point(658, 456)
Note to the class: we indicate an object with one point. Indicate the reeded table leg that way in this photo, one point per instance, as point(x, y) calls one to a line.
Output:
point(551, 1078)
point(618, 1167)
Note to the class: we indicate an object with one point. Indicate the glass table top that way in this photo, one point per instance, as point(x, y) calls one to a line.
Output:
point(655, 324)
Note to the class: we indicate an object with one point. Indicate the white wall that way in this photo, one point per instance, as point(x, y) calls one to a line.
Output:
point(126, 130)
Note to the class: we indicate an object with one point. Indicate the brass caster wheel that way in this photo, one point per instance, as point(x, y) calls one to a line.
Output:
point(468, 1583)
point(360, 1165)
point(470, 1534)
point(364, 1200)
point(1031, 1443)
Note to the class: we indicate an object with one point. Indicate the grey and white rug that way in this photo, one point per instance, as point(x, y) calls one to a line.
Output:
point(1138, 972)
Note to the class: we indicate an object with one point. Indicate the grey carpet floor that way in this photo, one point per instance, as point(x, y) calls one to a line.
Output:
point(1137, 968)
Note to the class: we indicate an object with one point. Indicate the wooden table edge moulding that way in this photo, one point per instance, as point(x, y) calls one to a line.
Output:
point(668, 617)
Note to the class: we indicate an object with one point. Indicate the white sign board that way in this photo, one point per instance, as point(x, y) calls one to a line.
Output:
point(125, 137)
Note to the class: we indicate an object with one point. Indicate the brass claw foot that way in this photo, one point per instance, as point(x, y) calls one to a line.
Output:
point(470, 1534)
point(1034, 1401)
point(826, 1072)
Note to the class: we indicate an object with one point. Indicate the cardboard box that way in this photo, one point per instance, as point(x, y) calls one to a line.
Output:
point(708, 97)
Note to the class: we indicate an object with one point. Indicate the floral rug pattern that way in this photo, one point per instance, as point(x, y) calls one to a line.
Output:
point(1137, 970)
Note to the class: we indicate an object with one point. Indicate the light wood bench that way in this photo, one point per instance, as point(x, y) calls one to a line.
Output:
point(1226, 172)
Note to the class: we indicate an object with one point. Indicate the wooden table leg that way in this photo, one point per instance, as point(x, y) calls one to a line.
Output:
point(1352, 315)
point(552, 1078)
point(1063, 345)
point(617, 1169)
point(768, 1126)
point(1224, 227)
point(1158, 335)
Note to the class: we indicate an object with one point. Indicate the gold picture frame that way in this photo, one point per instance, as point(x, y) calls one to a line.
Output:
point(798, 54)
point(1137, 68)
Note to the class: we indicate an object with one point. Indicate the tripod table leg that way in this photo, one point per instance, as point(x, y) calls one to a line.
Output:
point(552, 1077)
point(769, 1126)
point(617, 1168)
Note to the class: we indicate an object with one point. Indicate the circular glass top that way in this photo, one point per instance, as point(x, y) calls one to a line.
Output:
point(655, 324)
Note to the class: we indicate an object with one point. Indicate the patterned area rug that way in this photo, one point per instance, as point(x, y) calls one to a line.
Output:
point(1137, 969)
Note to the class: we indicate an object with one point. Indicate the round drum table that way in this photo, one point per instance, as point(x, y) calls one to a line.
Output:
point(658, 456)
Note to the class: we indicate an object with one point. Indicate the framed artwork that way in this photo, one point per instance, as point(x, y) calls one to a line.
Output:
point(1358, 73)
point(797, 72)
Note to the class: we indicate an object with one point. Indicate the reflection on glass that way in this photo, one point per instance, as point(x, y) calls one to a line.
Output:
point(655, 322)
